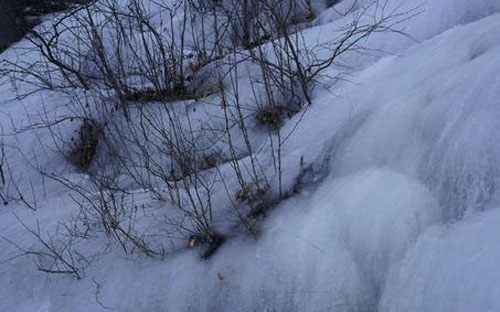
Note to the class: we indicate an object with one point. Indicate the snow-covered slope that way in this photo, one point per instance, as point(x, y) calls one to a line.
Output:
point(401, 211)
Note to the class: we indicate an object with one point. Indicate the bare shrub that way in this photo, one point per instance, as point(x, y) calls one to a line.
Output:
point(123, 55)
point(55, 256)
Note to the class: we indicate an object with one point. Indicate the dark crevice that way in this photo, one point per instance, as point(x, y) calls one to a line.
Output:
point(18, 17)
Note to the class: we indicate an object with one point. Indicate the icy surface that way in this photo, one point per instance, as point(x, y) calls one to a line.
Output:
point(400, 213)
point(452, 268)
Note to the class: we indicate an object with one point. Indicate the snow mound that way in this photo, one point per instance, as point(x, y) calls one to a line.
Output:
point(396, 207)
point(452, 268)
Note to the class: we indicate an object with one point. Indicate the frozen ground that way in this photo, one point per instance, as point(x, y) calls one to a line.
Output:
point(403, 215)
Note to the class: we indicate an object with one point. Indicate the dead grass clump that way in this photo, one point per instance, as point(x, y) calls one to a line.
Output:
point(84, 144)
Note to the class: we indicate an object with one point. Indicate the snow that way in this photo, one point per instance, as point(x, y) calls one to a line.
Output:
point(452, 268)
point(399, 205)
